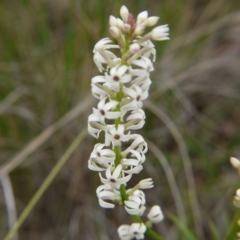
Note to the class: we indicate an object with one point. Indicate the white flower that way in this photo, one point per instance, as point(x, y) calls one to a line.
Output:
point(98, 90)
point(123, 232)
point(100, 158)
point(116, 136)
point(117, 76)
point(102, 55)
point(94, 127)
point(160, 33)
point(135, 203)
point(151, 49)
point(104, 110)
point(138, 230)
point(134, 163)
point(155, 214)
point(145, 64)
point(136, 120)
point(137, 95)
point(145, 183)
point(115, 178)
point(105, 194)
point(138, 144)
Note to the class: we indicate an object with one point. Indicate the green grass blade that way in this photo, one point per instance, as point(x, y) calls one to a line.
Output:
point(184, 230)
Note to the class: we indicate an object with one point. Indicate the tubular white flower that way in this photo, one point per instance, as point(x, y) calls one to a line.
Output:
point(117, 76)
point(136, 120)
point(151, 50)
point(102, 55)
point(114, 178)
point(133, 164)
point(146, 183)
point(123, 232)
point(137, 95)
point(94, 126)
point(155, 214)
point(135, 205)
point(138, 144)
point(105, 194)
point(116, 136)
point(104, 110)
point(102, 155)
point(138, 230)
point(160, 33)
point(100, 158)
point(145, 64)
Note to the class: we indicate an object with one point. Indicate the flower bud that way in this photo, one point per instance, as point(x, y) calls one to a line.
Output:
point(134, 48)
point(151, 21)
point(235, 162)
point(142, 17)
point(113, 21)
point(126, 28)
point(114, 31)
point(155, 214)
point(124, 13)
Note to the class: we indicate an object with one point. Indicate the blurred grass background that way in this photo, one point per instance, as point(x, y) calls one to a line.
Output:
point(45, 73)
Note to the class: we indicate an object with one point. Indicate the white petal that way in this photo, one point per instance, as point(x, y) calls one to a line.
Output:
point(105, 204)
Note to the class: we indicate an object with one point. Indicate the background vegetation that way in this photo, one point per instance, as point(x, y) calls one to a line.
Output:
point(192, 116)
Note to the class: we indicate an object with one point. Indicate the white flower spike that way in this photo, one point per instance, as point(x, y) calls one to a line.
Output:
point(125, 63)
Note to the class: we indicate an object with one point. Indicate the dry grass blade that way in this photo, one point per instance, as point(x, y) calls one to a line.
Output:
point(206, 29)
point(191, 72)
point(9, 202)
point(75, 144)
point(186, 163)
point(11, 98)
point(45, 135)
point(171, 180)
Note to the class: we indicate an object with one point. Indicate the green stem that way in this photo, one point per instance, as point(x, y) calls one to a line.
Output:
point(75, 144)
point(152, 234)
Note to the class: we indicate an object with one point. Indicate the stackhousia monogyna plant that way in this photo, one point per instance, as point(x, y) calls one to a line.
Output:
point(125, 62)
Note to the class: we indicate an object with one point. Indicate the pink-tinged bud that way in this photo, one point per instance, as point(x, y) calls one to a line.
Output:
point(160, 33)
point(113, 21)
point(142, 17)
point(134, 48)
point(151, 21)
point(131, 21)
point(114, 31)
point(124, 13)
point(126, 28)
